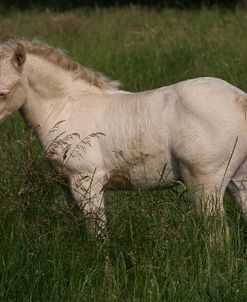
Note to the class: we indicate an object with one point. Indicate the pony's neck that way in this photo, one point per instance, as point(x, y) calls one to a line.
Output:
point(48, 81)
point(49, 89)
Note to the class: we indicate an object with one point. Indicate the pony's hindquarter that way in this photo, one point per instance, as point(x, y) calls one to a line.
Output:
point(211, 139)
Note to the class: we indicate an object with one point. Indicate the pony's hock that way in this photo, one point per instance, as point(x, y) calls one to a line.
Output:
point(99, 137)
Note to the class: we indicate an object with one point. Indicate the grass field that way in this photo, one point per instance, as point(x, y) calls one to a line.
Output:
point(157, 249)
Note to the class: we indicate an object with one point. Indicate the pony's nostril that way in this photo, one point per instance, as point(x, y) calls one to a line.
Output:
point(4, 93)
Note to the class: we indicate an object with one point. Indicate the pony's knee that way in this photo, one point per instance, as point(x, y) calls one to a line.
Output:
point(209, 207)
point(93, 210)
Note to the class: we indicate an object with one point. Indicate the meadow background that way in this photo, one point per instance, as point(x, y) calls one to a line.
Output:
point(157, 249)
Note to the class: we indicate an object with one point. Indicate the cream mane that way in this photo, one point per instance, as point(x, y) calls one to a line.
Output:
point(60, 58)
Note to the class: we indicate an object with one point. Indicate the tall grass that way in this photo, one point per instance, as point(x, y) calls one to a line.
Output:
point(157, 249)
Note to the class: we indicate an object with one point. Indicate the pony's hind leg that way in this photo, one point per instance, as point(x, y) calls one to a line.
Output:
point(208, 192)
point(87, 190)
point(238, 188)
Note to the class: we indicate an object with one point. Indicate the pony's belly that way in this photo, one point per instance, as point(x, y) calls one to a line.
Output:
point(145, 177)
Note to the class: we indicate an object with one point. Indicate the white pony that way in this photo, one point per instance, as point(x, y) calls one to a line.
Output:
point(97, 136)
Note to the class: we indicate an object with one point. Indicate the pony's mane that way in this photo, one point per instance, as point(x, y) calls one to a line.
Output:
point(60, 58)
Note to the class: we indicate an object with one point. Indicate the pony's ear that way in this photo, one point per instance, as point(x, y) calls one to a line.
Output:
point(19, 56)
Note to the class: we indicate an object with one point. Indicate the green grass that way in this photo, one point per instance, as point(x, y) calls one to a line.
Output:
point(157, 249)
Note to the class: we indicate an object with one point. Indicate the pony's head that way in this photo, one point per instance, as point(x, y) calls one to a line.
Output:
point(13, 82)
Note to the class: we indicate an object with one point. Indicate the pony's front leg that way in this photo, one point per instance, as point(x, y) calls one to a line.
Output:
point(87, 190)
